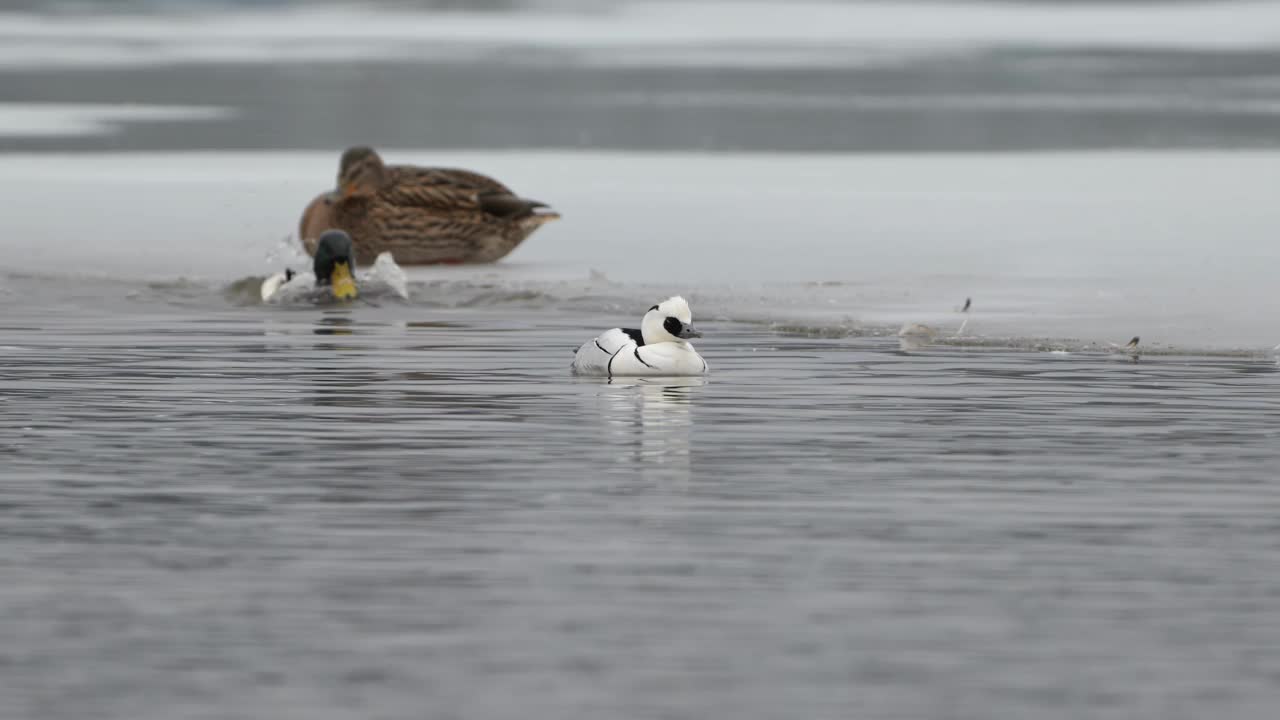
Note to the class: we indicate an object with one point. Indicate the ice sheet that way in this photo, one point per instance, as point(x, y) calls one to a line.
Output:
point(66, 119)
point(1176, 247)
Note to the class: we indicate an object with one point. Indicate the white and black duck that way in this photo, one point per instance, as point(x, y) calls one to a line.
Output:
point(660, 347)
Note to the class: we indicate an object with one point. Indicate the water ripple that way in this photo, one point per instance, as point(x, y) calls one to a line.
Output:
point(225, 508)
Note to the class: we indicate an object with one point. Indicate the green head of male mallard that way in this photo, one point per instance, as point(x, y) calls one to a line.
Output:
point(335, 264)
point(360, 172)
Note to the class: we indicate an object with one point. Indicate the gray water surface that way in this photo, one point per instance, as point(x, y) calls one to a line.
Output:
point(400, 512)
point(211, 508)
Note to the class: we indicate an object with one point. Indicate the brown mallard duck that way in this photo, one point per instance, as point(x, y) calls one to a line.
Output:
point(316, 218)
point(422, 216)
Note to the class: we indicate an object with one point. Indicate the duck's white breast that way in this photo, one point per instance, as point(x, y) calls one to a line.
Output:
point(616, 353)
point(668, 359)
point(614, 356)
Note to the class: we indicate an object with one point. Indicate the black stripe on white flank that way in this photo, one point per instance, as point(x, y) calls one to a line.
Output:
point(643, 362)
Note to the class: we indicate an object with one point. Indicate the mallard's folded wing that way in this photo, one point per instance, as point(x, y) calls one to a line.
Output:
point(411, 174)
point(427, 236)
point(452, 189)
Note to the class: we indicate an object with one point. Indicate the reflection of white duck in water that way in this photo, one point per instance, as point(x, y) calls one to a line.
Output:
point(658, 348)
point(646, 421)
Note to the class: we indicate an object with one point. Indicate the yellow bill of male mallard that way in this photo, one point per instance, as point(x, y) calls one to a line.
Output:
point(332, 270)
point(344, 286)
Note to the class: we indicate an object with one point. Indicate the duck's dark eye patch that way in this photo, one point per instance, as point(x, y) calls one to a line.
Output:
point(673, 326)
point(655, 307)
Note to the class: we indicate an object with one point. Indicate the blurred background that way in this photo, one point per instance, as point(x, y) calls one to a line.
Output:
point(704, 75)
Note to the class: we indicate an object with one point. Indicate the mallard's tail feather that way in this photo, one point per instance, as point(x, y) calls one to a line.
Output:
point(505, 205)
point(537, 220)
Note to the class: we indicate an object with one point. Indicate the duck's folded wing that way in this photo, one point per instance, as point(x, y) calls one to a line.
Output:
point(448, 189)
point(411, 224)
point(435, 196)
point(409, 174)
point(594, 355)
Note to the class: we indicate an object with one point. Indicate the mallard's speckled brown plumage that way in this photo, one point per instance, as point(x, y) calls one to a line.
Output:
point(422, 215)
point(316, 218)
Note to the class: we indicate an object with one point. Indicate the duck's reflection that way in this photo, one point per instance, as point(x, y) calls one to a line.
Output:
point(651, 419)
point(333, 323)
